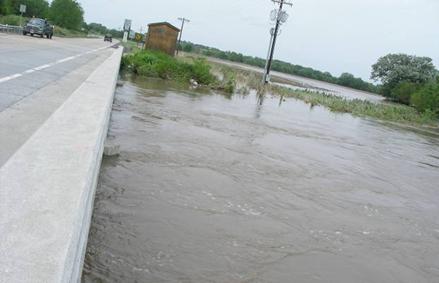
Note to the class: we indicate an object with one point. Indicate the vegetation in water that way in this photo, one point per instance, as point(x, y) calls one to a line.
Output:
point(159, 65)
point(392, 112)
point(383, 111)
point(346, 79)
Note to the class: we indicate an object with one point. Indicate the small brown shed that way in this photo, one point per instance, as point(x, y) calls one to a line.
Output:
point(162, 36)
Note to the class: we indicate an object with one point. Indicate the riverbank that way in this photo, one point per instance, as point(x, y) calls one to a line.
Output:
point(230, 79)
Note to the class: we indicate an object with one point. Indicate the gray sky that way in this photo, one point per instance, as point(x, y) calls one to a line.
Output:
point(329, 35)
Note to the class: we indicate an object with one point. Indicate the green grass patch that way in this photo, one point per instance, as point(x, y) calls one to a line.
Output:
point(391, 112)
point(159, 65)
point(12, 20)
point(63, 32)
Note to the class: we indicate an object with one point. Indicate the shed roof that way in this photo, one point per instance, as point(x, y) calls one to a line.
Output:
point(165, 24)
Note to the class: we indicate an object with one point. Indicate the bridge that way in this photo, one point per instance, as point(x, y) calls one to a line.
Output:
point(55, 104)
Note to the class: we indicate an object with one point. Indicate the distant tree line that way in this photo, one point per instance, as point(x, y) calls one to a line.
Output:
point(101, 29)
point(64, 13)
point(406, 79)
point(346, 79)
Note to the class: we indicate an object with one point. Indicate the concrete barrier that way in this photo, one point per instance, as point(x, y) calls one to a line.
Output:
point(47, 187)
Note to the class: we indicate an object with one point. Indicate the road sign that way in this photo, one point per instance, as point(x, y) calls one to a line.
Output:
point(127, 25)
point(23, 8)
point(132, 35)
point(138, 37)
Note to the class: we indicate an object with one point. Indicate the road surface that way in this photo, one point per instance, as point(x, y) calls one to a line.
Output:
point(36, 77)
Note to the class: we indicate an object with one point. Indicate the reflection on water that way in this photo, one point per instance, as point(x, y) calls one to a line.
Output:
point(247, 189)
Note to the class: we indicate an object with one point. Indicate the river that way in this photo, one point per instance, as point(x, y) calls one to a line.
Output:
point(210, 188)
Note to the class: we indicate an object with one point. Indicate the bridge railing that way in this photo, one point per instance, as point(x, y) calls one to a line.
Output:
point(10, 29)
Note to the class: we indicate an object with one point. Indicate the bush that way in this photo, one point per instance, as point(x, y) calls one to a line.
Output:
point(62, 32)
point(156, 64)
point(403, 91)
point(12, 20)
point(427, 98)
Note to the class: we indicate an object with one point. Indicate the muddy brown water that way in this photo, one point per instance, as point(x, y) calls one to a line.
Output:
point(209, 188)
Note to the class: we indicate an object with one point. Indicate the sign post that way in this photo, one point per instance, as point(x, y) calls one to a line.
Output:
point(22, 11)
point(139, 38)
point(126, 30)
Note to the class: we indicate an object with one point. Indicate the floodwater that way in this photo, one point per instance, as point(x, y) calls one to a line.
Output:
point(302, 83)
point(209, 188)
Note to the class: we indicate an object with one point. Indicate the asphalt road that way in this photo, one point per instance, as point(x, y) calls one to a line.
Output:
point(36, 76)
point(30, 63)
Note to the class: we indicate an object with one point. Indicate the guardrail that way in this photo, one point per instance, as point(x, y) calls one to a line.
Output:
point(11, 29)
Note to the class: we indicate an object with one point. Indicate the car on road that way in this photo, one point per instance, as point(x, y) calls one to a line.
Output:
point(108, 37)
point(39, 27)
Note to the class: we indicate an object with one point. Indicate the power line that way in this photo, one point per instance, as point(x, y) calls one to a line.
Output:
point(280, 17)
point(183, 20)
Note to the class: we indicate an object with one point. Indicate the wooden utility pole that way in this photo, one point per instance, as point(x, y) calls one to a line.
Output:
point(183, 20)
point(281, 17)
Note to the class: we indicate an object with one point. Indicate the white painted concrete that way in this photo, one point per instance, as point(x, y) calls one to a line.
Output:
point(47, 187)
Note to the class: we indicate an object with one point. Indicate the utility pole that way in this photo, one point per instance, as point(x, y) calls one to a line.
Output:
point(280, 17)
point(183, 20)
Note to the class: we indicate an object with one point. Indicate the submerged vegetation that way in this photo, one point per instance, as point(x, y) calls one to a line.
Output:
point(346, 79)
point(231, 80)
point(155, 64)
point(391, 112)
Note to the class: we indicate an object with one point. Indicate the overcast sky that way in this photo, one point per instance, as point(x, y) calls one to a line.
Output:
point(329, 35)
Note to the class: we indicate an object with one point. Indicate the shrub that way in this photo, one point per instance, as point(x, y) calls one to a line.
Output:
point(156, 64)
point(12, 20)
point(403, 91)
point(427, 98)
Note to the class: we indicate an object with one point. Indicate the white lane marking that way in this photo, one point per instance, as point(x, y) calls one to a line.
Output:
point(8, 78)
point(65, 59)
point(39, 68)
point(42, 67)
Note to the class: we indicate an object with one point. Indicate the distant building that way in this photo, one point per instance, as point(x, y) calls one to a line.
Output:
point(163, 37)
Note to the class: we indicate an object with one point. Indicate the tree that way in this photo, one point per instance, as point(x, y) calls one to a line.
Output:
point(8, 7)
point(427, 98)
point(403, 91)
point(67, 14)
point(36, 8)
point(393, 69)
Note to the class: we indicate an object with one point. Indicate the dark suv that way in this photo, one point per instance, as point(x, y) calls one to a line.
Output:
point(38, 26)
point(108, 37)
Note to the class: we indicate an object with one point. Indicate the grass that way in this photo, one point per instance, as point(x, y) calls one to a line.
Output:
point(391, 112)
point(130, 46)
point(63, 32)
point(12, 20)
point(159, 65)
point(232, 80)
